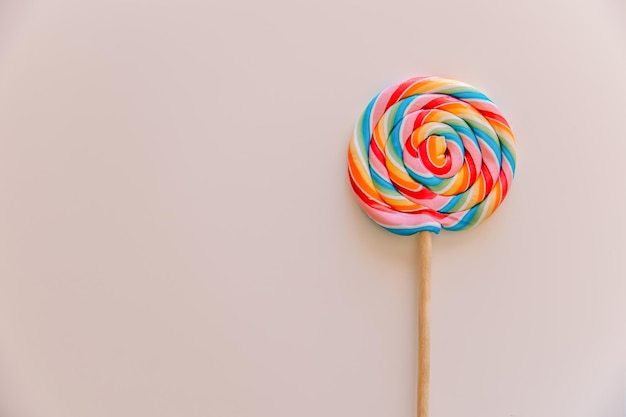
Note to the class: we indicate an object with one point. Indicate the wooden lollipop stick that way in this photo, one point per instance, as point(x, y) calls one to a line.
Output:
point(423, 347)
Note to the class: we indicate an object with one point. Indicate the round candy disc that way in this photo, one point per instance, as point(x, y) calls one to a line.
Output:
point(431, 153)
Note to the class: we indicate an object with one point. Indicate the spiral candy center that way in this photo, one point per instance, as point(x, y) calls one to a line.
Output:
point(431, 153)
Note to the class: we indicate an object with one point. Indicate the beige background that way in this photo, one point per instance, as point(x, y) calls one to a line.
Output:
point(178, 237)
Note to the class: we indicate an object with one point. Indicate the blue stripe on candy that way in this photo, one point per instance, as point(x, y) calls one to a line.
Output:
point(465, 221)
point(452, 137)
point(400, 108)
point(412, 231)
point(453, 202)
point(471, 95)
point(428, 181)
point(395, 140)
point(490, 142)
point(404, 103)
point(381, 182)
point(366, 131)
point(465, 130)
point(509, 157)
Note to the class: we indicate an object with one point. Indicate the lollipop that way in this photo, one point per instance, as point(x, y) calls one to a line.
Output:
point(428, 154)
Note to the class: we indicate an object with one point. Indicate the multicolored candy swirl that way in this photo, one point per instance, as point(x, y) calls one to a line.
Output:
point(431, 153)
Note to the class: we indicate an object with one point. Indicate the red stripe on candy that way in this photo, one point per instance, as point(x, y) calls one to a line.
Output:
point(378, 153)
point(422, 194)
point(488, 179)
point(495, 116)
point(472, 168)
point(504, 183)
point(410, 148)
point(398, 92)
point(419, 120)
point(439, 101)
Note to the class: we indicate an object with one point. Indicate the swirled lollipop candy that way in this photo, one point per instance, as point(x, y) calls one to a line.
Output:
point(426, 154)
point(431, 153)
